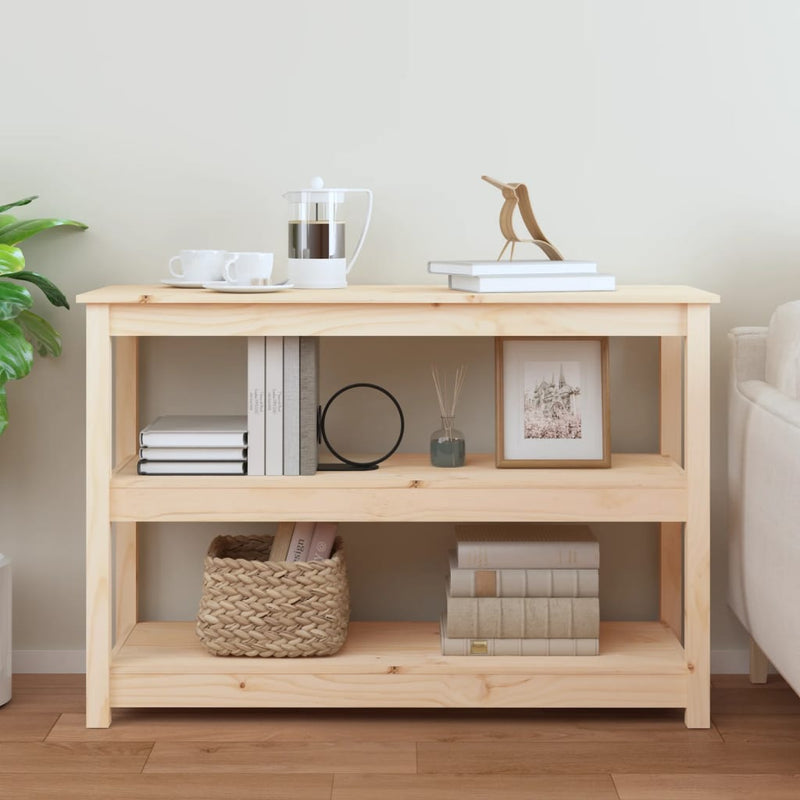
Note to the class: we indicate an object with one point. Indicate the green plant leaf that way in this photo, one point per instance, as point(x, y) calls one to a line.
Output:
point(16, 352)
point(6, 219)
point(3, 404)
point(23, 202)
point(51, 291)
point(13, 299)
point(40, 333)
point(19, 231)
point(11, 259)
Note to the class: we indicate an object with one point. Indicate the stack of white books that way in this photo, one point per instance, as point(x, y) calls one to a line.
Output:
point(523, 590)
point(282, 402)
point(523, 276)
point(194, 444)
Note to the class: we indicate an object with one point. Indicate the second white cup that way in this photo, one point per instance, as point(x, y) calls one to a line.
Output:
point(249, 269)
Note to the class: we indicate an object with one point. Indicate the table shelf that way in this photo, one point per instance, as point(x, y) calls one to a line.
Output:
point(399, 664)
point(637, 487)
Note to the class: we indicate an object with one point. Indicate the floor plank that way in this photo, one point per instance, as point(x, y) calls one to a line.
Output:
point(472, 787)
point(47, 693)
point(25, 726)
point(165, 787)
point(707, 787)
point(734, 694)
point(584, 758)
point(384, 726)
point(269, 757)
point(764, 728)
point(81, 757)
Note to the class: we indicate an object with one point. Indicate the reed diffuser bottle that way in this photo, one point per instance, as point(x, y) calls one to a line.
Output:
point(448, 448)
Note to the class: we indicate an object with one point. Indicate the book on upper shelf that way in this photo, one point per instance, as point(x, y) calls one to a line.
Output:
point(192, 467)
point(495, 646)
point(255, 405)
point(583, 282)
point(273, 398)
point(309, 404)
point(193, 453)
point(497, 545)
point(535, 267)
point(513, 582)
point(291, 405)
point(195, 430)
point(523, 617)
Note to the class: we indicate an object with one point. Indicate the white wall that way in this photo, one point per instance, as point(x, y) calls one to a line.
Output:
point(657, 138)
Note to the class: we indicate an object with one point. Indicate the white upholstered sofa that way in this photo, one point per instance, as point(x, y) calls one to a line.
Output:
point(764, 491)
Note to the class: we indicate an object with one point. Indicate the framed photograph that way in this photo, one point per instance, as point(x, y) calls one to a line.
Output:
point(552, 402)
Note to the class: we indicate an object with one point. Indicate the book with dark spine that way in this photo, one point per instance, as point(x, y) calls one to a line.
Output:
point(309, 404)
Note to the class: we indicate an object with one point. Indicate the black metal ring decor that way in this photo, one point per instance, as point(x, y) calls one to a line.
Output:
point(347, 462)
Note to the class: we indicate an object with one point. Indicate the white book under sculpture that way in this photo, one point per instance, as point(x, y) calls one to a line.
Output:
point(195, 430)
point(579, 282)
point(535, 267)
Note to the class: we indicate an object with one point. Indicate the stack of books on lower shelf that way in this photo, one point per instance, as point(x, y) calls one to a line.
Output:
point(541, 275)
point(194, 444)
point(523, 590)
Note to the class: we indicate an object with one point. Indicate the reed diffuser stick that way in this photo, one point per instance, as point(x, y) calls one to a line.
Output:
point(448, 401)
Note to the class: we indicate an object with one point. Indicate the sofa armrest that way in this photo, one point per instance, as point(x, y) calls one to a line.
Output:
point(748, 353)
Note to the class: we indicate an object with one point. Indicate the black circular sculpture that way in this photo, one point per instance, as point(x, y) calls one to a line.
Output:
point(348, 463)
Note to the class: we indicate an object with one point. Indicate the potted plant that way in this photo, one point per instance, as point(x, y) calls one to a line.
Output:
point(21, 330)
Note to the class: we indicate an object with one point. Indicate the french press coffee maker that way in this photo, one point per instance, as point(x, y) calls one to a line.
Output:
point(317, 257)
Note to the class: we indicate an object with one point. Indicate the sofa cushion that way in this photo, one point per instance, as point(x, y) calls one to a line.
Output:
point(782, 366)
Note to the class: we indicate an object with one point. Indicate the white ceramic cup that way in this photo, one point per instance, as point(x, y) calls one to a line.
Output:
point(199, 266)
point(248, 269)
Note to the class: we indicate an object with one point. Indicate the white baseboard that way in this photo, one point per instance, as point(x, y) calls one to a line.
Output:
point(723, 662)
point(48, 661)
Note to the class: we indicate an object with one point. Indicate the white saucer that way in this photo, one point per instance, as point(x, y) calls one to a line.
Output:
point(224, 286)
point(181, 284)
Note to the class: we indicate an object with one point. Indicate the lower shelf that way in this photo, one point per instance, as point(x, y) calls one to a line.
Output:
point(398, 664)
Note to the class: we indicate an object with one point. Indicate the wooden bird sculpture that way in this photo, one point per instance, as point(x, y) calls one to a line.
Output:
point(516, 195)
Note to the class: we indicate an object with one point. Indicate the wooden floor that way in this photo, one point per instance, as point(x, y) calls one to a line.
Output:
point(751, 751)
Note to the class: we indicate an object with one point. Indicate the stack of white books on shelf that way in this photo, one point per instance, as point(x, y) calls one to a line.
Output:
point(541, 275)
point(523, 590)
point(303, 541)
point(194, 444)
point(282, 402)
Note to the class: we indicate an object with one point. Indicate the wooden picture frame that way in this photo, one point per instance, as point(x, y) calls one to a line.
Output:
point(552, 406)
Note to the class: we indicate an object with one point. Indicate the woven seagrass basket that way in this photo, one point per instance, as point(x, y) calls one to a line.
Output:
point(251, 606)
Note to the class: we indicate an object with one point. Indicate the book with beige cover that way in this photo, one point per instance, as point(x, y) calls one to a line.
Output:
point(488, 646)
point(526, 546)
point(512, 582)
point(523, 617)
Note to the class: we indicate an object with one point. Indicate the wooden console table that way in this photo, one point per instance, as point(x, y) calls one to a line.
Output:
point(663, 663)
